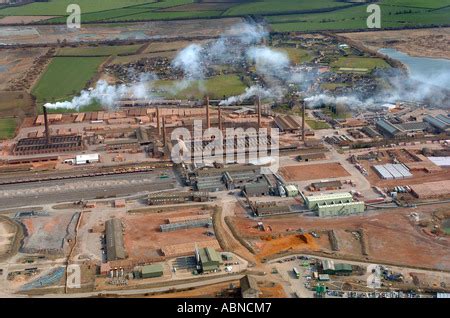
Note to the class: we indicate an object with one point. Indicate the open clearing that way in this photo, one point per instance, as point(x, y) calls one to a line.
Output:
point(422, 42)
point(355, 18)
point(48, 233)
point(390, 236)
point(7, 236)
point(104, 32)
point(15, 104)
point(7, 128)
point(368, 63)
point(24, 19)
point(14, 63)
point(144, 239)
point(313, 172)
point(216, 87)
point(99, 50)
point(65, 77)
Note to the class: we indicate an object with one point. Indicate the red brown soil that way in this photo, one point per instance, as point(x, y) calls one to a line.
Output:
point(313, 172)
point(144, 239)
point(269, 246)
point(391, 237)
point(275, 291)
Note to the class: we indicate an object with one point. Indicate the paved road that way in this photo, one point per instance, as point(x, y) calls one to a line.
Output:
point(46, 192)
point(199, 283)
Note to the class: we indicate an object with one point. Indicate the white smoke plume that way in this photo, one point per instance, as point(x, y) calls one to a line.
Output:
point(189, 60)
point(269, 62)
point(107, 95)
point(323, 99)
point(252, 92)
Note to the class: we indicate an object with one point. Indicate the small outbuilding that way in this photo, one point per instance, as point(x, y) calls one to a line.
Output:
point(152, 271)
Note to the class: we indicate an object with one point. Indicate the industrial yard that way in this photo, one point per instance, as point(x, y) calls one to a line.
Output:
point(221, 159)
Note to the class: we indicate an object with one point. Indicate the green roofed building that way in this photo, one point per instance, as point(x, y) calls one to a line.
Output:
point(208, 259)
point(151, 271)
point(334, 204)
point(343, 269)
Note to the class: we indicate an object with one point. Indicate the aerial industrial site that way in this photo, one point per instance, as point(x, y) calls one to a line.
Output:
point(223, 156)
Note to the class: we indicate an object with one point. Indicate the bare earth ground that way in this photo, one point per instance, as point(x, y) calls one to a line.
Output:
point(7, 233)
point(391, 237)
point(421, 42)
point(99, 32)
point(24, 19)
point(15, 62)
point(144, 239)
point(313, 172)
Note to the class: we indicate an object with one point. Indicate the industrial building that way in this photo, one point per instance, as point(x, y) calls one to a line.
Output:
point(392, 171)
point(311, 156)
point(335, 204)
point(177, 197)
point(440, 123)
point(115, 249)
point(388, 129)
point(291, 190)
point(330, 268)
point(325, 185)
point(208, 260)
point(257, 189)
point(249, 287)
point(152, 271)
point(187, 224)
point(270, 208)
point(49, 143)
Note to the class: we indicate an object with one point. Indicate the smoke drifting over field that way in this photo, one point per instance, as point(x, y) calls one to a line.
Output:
point(274, 75)
point(107, 94)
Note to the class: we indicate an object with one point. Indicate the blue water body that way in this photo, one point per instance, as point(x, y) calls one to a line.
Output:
point(428, 70)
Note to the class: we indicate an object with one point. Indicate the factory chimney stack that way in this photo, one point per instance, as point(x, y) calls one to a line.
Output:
point(303, 120)
point(208, 119)
point(158, 120)
point(47, 129)
point(220, 117)
point(164, 131)
point(258, 104)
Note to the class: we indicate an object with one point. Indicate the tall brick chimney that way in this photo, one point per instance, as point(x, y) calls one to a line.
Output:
point(208, 118)
point(47, 129)
point(158, 120)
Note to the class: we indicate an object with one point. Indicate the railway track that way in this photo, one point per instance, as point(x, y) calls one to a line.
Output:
point(113, 171)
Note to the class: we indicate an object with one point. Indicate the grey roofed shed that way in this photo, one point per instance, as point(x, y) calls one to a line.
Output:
point(114, 240)
point(249, 287)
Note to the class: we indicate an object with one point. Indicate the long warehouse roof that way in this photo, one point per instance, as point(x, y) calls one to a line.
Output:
point(331, 196)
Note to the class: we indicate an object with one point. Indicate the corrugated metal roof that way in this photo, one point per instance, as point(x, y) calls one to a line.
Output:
point(152, 269)
point(331, 196)
point(388, 127)
point(436, 122)
point(381, 170)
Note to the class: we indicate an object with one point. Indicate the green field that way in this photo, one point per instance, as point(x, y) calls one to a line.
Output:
point(297, 56)
point(65, 77)
point(316, 125)
point(99, 51)
point(216, 87)
point(355, 18)
point(368, 63)
point(7, 128)
point(286, 6)
point(284, 16)
point(58, 7)
point(430, 4)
